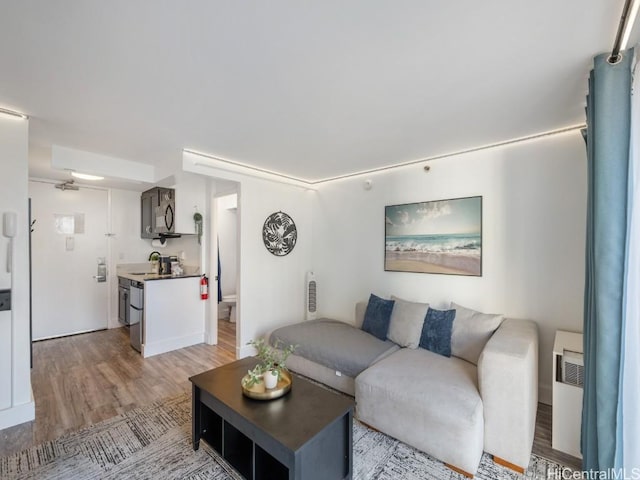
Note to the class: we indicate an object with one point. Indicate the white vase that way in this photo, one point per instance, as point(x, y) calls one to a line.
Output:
point(270, 379)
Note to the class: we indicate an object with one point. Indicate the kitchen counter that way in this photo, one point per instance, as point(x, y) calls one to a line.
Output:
point(143, 277)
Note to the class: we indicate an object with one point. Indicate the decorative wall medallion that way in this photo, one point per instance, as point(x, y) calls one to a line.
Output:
point(279, 234)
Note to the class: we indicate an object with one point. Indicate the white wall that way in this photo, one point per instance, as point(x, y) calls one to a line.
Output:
point(271, 288)
point(190, 198)
point(534, 210)
point(127, 246)
point(14, 198)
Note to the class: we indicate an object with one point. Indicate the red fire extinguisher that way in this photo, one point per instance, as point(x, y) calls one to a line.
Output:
point(204, 287)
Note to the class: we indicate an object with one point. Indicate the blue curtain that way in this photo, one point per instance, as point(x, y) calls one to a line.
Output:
point(628, 444)
point(608, 136)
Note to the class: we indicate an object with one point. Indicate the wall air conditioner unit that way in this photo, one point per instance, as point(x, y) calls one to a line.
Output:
point(573, 368)
point(568, 381)
point(311, 295)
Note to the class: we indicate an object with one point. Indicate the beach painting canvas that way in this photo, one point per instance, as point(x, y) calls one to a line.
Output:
point(443, 236)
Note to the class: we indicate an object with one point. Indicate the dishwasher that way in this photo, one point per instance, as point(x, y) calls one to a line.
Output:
point(136, 314)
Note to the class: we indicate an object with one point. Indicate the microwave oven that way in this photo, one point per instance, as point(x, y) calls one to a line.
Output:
point(158, 212)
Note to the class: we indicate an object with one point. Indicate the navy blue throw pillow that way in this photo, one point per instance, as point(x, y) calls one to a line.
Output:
point(377, 317)
point(436, 331)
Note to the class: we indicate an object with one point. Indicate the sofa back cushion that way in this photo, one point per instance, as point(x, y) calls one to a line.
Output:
point(436, 331)
point(471, 332)
point(361, 308)
point(407, 318)
point(377, 317)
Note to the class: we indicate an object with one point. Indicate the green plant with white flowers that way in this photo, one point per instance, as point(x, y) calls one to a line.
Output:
point(272, 359)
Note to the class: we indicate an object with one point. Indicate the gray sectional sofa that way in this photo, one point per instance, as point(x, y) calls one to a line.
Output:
point(481, 398)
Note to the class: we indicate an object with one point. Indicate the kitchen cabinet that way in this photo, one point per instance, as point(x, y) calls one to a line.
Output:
point(157, 212)
point(147, 200)
point(173, 315)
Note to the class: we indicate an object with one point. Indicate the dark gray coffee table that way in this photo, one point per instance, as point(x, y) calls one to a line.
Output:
point(307, 434)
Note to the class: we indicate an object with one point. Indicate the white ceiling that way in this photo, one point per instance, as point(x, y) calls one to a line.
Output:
point(310, 89)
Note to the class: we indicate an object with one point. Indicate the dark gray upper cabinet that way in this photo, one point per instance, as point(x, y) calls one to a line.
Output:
point(157, 213)
point(148, 201)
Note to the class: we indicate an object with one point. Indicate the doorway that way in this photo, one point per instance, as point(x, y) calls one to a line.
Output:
point(69, 240)
point(227, 221)
point(225, 254)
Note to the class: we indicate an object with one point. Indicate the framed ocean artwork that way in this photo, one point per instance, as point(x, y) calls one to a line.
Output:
point(443, 236)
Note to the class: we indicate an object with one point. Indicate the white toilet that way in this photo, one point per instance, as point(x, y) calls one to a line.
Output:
point(231, 301)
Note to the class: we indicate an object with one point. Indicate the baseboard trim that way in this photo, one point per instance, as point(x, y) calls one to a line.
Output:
point(245, 351)
point(209, 339)
point(459, 470)
point(369, 426)
point(151, 349)
point(509, 465)
point(25, 412)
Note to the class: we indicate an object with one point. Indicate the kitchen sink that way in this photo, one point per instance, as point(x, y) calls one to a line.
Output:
point(140, 273)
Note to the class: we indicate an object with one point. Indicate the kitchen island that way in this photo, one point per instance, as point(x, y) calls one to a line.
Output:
point(173, 312)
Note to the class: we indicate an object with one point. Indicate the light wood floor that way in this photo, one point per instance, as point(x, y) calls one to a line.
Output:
point(81, 380)
point(542, 440)
point(84, 379)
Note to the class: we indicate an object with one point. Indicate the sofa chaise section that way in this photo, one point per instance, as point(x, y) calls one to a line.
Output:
point(427, 401)
point(330, 351)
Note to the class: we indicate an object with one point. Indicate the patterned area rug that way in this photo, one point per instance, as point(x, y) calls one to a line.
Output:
point(154, 442)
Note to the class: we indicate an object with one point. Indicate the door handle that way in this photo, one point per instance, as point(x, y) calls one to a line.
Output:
point(102, 273)
point(168, 218)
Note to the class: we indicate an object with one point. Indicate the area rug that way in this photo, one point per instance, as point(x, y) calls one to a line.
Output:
point(154, 442)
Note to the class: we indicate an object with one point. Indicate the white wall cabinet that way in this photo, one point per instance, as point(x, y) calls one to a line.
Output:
point(567, 395)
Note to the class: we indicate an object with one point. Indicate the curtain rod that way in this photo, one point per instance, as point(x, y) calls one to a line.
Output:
point(615, 56)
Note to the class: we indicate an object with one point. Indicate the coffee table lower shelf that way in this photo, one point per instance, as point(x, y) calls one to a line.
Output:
point(248, 458)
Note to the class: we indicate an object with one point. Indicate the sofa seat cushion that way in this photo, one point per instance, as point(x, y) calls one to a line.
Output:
point(428, 401)
point(336, 345)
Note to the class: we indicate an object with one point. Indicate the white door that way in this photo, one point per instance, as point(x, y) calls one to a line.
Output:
point(69, 236)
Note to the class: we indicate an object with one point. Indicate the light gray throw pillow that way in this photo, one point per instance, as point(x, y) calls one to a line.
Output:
point(471, 332)
point(405, 326)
